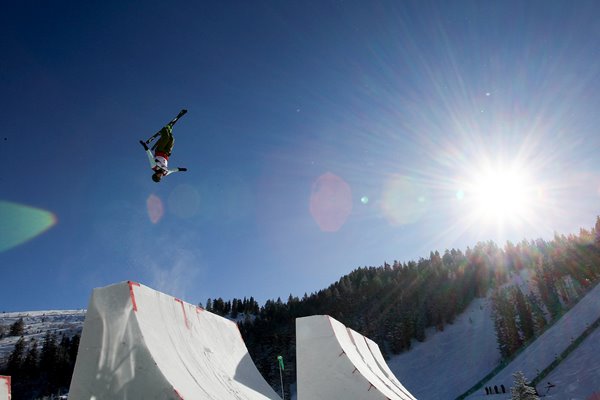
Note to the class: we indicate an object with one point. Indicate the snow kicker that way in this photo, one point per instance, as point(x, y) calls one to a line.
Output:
point(335, 362)
point(4, 387)
point(138, 343)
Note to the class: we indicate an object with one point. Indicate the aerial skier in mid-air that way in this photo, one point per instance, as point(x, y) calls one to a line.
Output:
point(159, 161)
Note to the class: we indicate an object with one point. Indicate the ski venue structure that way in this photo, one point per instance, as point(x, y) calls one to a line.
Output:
point(335, 362)
point(138, 343)
point(4, 387)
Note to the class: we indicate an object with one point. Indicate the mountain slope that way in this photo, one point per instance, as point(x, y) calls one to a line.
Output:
point(36, 324)
point(579, 375)
point(449, 363)
point(546, 348)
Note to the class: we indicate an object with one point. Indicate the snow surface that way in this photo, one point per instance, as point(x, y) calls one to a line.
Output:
point(578, 376)
point(542, 352)
point(449, 363)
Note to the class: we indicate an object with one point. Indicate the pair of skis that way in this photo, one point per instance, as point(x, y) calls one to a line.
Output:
point(171, 123)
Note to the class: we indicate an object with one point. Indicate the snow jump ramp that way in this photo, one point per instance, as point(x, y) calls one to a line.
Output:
point(4, 387)
point(335, 362)
point(138, 343)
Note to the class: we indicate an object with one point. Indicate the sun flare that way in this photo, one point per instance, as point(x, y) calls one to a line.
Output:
point(501, 196)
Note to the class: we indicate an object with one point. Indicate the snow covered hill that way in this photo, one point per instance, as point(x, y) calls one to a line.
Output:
point(579, 375)
point(549, 346)
point(37, 323)
point(449, 363)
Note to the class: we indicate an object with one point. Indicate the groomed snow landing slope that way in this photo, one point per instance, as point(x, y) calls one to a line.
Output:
point(4, 387)
point(138, 343)
point(334, 362)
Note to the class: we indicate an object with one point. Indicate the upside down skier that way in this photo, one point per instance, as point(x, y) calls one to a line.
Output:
point(159, 161)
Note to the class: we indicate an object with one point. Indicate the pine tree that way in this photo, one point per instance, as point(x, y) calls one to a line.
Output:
point(420, 325)
point(16, 368)
point(32, 360)
point(74, 348)
point(235, 308)
point(525, 324)
point(507, 332)
point(538, 314)
point(64, 363)
point(521, 390)
point(218, 307)
point(18, 328)
point(16, 358)
point(49, 353)
point(546, 282)
point(254, 307)
point(499, 325)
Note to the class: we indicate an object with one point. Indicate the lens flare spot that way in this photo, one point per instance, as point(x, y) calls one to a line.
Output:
point(155, 208)
point(330, 202)
point(460, 194)
point(22, 223)
point(404, 201)
point(364, 199)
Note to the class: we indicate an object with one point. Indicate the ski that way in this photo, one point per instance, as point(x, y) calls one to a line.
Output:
point(171, 123)
point(181, 114)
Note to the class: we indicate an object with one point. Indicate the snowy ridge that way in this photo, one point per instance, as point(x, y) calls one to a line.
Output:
point(36, 324)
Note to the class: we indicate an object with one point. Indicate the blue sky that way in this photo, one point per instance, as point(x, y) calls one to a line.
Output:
point(321, 137)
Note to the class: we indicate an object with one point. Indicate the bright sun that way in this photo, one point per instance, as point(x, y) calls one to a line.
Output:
point(501, 196)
